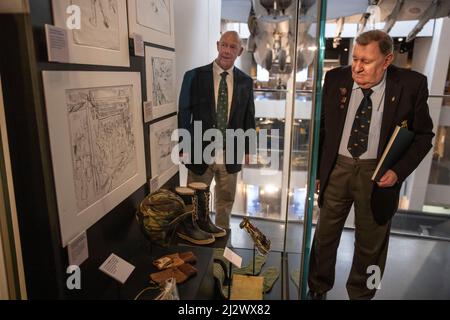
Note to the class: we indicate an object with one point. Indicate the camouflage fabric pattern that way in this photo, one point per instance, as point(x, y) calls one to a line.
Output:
point(159, 215)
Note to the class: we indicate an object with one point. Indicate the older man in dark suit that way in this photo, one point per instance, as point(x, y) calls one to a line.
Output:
point(362, 105)
point(218, 96)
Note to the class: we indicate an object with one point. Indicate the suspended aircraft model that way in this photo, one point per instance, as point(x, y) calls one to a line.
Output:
point(271, 23)
point(271, 39)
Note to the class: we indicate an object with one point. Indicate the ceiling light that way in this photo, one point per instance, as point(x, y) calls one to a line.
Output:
point(270, 189)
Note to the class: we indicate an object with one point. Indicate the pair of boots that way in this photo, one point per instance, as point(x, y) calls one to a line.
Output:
point(197, 227)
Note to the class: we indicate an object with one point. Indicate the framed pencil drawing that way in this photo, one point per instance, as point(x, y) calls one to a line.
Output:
point(96, 139)
point(161, 146)
point(102, 38)
point(160, 75)
point(153, 19)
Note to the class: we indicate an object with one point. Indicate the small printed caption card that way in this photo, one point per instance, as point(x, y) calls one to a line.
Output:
point(117, 268)
point(233, 257)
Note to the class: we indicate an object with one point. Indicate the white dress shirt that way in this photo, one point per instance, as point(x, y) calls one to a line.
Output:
point(377, 98)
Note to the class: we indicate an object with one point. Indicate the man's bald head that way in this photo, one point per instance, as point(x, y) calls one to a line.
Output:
point(229, 47)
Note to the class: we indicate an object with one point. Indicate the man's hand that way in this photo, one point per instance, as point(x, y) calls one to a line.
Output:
point(317, 188)
point(388, 179)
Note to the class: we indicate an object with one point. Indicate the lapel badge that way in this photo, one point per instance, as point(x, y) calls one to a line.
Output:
point(404, 124)
point(343, 92)
point(393, 99)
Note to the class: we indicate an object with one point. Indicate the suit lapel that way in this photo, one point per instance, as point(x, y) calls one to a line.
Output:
point(209, 81)
point(234, 101)
point(391, 99)
point(344, 95)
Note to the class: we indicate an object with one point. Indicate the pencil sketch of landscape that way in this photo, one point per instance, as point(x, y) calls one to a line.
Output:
point(102, 141)
point(99, 24)
point(163, 81)
point(154, 14)
point(161, 145)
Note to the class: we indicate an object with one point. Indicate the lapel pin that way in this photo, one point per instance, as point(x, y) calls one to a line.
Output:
point(393, 99)
point(343, 99)
point(343, 91)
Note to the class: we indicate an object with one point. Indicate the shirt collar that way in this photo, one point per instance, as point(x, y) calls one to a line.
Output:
point(218, 70)
point(375, 88)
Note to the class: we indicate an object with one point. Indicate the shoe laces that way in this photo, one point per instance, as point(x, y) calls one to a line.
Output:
point(195, 203)
point(207, 198)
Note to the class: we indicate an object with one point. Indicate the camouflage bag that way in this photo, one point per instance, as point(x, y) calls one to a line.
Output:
point(159, 214)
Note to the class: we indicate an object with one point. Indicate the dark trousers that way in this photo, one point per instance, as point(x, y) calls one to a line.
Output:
point(349, 183)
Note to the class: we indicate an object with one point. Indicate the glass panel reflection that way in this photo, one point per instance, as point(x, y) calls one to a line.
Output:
point(440, 166)
point(424, 209)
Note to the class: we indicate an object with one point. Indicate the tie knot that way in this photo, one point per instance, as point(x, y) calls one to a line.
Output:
point(224, 75)
point(366, 92)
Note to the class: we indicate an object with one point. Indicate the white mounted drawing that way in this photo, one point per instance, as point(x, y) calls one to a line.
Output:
point(153, 19)
point(96, 139)
point(161, 147)
point(103, 35)
point(160, 74)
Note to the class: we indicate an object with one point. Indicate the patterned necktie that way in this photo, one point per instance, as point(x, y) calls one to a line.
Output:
point(222, 104)
point(357, 143)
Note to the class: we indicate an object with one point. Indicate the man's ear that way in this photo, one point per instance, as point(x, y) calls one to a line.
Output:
point(240, 51)
point(388, 60)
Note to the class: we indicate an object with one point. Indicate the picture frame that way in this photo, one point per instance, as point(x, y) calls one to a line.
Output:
point(97, 143)
point(161, 149)
point(102, 38)
point(161, 82)
point(154, 20)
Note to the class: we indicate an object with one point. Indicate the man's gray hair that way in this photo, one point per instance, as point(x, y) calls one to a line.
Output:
point(384, 41)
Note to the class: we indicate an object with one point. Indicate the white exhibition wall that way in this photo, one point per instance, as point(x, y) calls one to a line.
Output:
point(197, 29)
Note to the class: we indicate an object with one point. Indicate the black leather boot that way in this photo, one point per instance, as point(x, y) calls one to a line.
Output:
point(188, 229)
point(204, 220)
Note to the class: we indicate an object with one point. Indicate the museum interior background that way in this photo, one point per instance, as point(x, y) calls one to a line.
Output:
point(33, 251)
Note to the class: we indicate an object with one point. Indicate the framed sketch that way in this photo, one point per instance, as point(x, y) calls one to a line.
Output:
point(153, 19)
point(97, 144)
point(160, 74)
point(103, 35)
point(161, 146)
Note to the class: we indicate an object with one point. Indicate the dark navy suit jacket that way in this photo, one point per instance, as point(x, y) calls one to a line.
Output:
point(197, 103)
